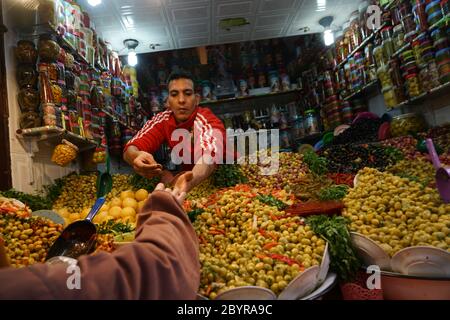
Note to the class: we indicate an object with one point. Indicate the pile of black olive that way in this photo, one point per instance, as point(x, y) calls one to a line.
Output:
point(351, 158)
point(365, 130)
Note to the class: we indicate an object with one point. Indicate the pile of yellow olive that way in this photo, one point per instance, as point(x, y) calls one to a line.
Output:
point(246, 242)
point(396, 212)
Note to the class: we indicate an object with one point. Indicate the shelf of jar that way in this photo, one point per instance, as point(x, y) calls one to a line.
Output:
point(443, 88)
point(38, 29)
point(371, 86)
point(53, 134)
point(117, 118)
point(239, 99)
point(360, 47)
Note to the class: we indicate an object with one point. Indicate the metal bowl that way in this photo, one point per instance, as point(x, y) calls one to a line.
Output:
point(404, 287)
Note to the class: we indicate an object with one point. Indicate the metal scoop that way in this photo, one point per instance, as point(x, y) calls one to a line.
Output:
point(79, 237)
point(442, 174)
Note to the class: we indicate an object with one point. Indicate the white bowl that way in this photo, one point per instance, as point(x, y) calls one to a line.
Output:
point(301, 285)
point(247, 293)
point(422, 261)
point(370, 252)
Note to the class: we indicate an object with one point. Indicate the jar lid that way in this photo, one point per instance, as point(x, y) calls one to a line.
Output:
point(434, 15)
point(406, 116)
point(386, 89)
point(442, 52)
point(431, 5)
point(398, 28)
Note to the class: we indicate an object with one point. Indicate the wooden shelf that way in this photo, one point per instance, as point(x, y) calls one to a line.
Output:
point(443, 88)
point(54, 135)
point(239, 99)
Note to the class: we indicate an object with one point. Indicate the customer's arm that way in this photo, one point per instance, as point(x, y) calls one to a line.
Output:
point(162, 263)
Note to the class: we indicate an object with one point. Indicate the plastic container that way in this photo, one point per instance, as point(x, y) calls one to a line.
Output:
point(444, 69)
point(410, 36)
point(432, 7)
point(404, 8)
point(434, 18)
point(413, 85)
point(407, 57)
point(48, 48)
point(386, 33)
point(438, 34)
point(442, 55)
point(397, 79)
point(441, 44)
point(64, 153)
point(407, 124)
point(390, 97)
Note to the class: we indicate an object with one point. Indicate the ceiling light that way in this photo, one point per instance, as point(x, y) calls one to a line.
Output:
point(94, 2)
point(328, 35)
point(131, 44)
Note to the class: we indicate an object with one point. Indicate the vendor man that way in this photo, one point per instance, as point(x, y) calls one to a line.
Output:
point(207, 133)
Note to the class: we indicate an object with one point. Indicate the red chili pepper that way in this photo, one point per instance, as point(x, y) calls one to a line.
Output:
point(270, 245)
point(283, 258)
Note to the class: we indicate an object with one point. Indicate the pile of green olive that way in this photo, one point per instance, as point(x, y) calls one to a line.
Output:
point(245, 242)
point(27, 239)
point(396, 212)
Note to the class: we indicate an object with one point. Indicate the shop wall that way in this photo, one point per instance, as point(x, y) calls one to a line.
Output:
point(30, 171)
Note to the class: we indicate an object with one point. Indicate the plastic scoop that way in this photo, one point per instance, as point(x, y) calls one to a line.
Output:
point(79, 237)
point(104, 181)
point(442, 174)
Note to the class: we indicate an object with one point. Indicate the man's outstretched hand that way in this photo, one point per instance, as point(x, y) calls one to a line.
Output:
point(145, 165)
point(184, 182)
point(179, 195)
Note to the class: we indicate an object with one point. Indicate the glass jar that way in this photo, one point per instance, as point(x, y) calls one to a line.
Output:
point(368, 53)
point(404, 9)
point(340, 53)
point(48, 48)
point(356, 38)
point(378, 53)
point(47, 12)
point(28, 99)
point(406, 124)
point(362, 8)
point(443, 56)
point(417, 49)
point(420, 16)
point(25, 52)
point(398, 37)
point(311, 123)
point(441, 44)
point(413, 85)
point(386, 33)
point(434, 18)
point(29, 119)
point(388, 48)
point(64, 153)
point(26, 76)
point(390, 97)
point(408, 24)
point(384, 76)
point(394, 70)
point(407, 57)
point(347, 38)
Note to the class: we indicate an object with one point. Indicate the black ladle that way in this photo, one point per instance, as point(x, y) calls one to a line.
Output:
point(79, 237)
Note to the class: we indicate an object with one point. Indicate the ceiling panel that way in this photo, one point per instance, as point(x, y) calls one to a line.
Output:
point(201, 27)
point(231, 37)
point(228, 9)
point(181, 14)
point(270, 20)
point(184, 23)
point(276, 5)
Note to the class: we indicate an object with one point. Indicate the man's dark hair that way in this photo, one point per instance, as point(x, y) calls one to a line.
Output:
point(180, 75)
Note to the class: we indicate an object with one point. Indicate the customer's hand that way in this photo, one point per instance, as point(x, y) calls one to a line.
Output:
point(145, 165)
point(184, 182)
point(179, 195)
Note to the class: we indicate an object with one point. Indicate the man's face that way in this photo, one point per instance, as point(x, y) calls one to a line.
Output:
point(182, 99)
